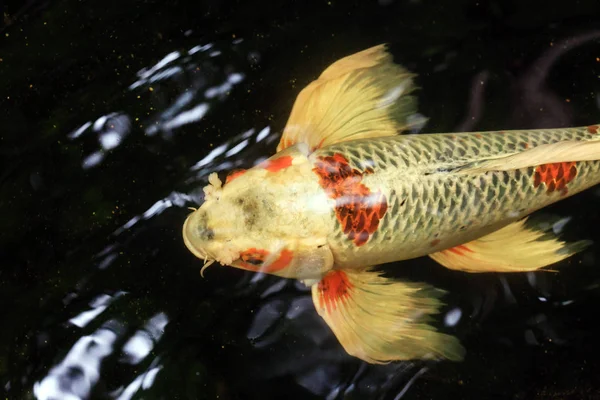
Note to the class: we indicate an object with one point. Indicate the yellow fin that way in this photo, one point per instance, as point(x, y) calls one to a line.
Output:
point(517, 247)
point(380, 320)
point(565, 151)
point(364, 95)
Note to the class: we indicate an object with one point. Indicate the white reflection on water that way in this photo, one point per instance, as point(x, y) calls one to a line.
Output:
point(217, 151)
point(92, 160)
point(145, 73)
point(187, 117)
point(75, 134)
point(143, 381)
point(189, 107)
point(452, 317)
point(111, 130)
point(174, 198)
point(77, 374)
point(196, 49)
point(99, 304)
point(263, 134)
point(142, 342)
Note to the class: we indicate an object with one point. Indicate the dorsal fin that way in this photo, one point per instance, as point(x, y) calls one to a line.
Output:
point(364, 95)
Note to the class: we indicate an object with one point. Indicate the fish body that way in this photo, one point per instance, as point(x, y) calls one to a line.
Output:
point(347, 191)
point(430, 205)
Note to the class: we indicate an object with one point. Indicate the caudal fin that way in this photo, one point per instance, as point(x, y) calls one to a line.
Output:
point(379, 320)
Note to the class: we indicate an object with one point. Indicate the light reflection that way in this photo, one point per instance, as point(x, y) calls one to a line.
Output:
point(77, 374)
point(165, 74)
point(187, 117)
point(263, 134)
point(99, 304)
point(92, 160)
point(79, 130)
point(239, 147)
point(233, 147)
point(144, 381)
point(223, 89)
point(144, 74)
point(196, 49)
point(217, 151)
point(179, 113)
point(142, 342)
point(452, 317)
point(174, 198)
point(111, 129)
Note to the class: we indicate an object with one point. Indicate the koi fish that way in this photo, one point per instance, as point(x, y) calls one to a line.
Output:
point(346, 191)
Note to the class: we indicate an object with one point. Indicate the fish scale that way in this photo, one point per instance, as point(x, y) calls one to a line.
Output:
point(429, 206)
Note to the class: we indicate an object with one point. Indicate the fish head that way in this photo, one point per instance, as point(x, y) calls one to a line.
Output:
point(255, 223)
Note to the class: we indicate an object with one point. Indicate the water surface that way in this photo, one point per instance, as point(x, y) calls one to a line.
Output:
point(113, 115)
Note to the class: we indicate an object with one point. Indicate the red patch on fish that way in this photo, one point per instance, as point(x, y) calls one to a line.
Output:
point(253, 259)
point(435, 242)
point(277, 164)
point(357, 209)
point(555, 176)
point(234, 174)
point(334, 288)
point(284, 259)
point(460, 250)
point(593, 129)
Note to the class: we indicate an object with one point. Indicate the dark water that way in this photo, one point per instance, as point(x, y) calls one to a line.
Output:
point(112, 114)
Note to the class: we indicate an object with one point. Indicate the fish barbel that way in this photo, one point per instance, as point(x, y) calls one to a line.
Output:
point(347, 191)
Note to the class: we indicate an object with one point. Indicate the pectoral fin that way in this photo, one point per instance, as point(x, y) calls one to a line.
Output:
point(517, 247)
point(364, 95)
point(380, 320)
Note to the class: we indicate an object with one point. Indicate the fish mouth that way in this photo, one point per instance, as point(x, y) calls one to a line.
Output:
point(200, 253)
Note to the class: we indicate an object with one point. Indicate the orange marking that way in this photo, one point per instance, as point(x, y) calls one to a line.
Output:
point(460, 250)
point(593, 129)
point(335, 287)
point(252, 259)
point(234, 174)
point(277, 164)
point(435, 242)
point(555, 176)
point(320, 144)
point(478, 135)
point(285, 258)
point(525, 145)
point(357, 209)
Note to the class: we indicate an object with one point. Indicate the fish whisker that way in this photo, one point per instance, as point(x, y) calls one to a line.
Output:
point(207, 263)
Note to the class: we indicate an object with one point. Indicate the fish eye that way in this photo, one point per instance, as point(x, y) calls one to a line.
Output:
point(202, 231)
point(208, 234)
point(253, 261)
point(253, 257)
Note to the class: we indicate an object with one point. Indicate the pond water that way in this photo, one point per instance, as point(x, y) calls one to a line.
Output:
point(112, 115)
